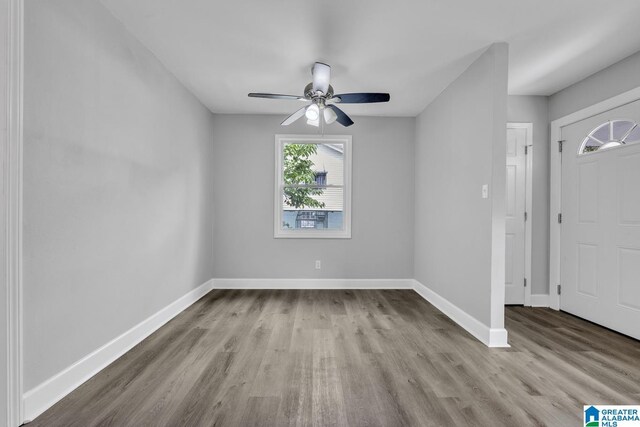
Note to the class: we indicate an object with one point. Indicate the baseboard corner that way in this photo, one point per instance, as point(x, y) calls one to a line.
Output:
point(498, 337)
point(483, 333)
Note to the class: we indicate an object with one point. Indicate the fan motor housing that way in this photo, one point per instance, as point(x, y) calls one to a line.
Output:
point(310, 94)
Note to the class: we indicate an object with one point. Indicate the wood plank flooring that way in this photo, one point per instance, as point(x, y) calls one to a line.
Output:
point(353, 358)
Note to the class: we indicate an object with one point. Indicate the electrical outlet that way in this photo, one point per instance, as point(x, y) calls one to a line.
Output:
point(318, 264)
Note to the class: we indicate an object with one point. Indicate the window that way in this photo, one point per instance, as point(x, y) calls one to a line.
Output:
point(321, 178)
point(614, 133)
point(313, 186)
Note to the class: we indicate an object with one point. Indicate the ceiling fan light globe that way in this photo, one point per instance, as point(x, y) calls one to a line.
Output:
point(312, 113)
point(330, 116)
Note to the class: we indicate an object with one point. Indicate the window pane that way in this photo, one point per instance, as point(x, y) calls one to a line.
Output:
point(321, 178)
point(634, 136)
point(602, 133)
point(307, 208)
point(321, 164)
point(591, 145)
point(620, 129)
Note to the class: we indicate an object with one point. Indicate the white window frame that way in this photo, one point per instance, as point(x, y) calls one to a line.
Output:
point(281, 233)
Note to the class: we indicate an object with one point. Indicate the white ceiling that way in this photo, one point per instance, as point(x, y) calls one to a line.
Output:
point(221, 50)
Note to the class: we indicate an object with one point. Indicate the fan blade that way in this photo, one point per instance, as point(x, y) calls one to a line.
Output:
point(321, 76)
point(343, 119)
point(361, 98)
point(295, 116)
point(277, 96)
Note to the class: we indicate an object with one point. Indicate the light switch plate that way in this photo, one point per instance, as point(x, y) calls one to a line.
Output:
point(485, 191)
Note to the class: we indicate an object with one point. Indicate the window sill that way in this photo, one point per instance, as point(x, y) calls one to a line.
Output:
point(308, 234)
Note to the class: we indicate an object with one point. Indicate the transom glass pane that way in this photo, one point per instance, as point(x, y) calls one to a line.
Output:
point(601, 133)
point(612, 134)
point(634, 135)
point(620, 129)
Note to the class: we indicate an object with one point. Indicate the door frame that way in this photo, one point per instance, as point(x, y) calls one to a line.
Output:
point(12, 143)
point(528, 205)
point(555, 206)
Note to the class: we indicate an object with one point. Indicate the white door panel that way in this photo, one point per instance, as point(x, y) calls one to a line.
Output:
point(600, 230)
point(515, 211)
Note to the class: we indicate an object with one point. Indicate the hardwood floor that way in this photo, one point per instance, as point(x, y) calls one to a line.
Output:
point(346, 357)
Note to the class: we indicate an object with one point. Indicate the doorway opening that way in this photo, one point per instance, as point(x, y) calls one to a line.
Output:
point(518, 214)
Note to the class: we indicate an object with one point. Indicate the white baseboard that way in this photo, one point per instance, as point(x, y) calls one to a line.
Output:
point(45, 395)
point(313, 283)
point(485, 334)
point(539, 300)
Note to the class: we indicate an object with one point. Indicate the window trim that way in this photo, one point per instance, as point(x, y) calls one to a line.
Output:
point(278, 231)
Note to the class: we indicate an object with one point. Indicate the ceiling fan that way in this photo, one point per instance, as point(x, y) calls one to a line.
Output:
point(323, 100)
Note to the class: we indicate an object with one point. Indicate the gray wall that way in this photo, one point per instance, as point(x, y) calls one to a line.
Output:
point(117, 197)
point(459, 137)
point(382, 224)
point(613, 80)
point(534, 109)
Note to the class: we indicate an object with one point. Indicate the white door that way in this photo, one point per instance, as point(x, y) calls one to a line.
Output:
point(600, 227)
point(517, 141)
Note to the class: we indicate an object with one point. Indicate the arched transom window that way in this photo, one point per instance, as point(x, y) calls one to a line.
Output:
point(614, 133)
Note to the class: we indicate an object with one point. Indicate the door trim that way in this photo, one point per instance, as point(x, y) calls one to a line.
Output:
point(528, 206)
point(555, 206)
point(12, 142)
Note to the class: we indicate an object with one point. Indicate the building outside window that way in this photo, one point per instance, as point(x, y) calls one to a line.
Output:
point(312, 219)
